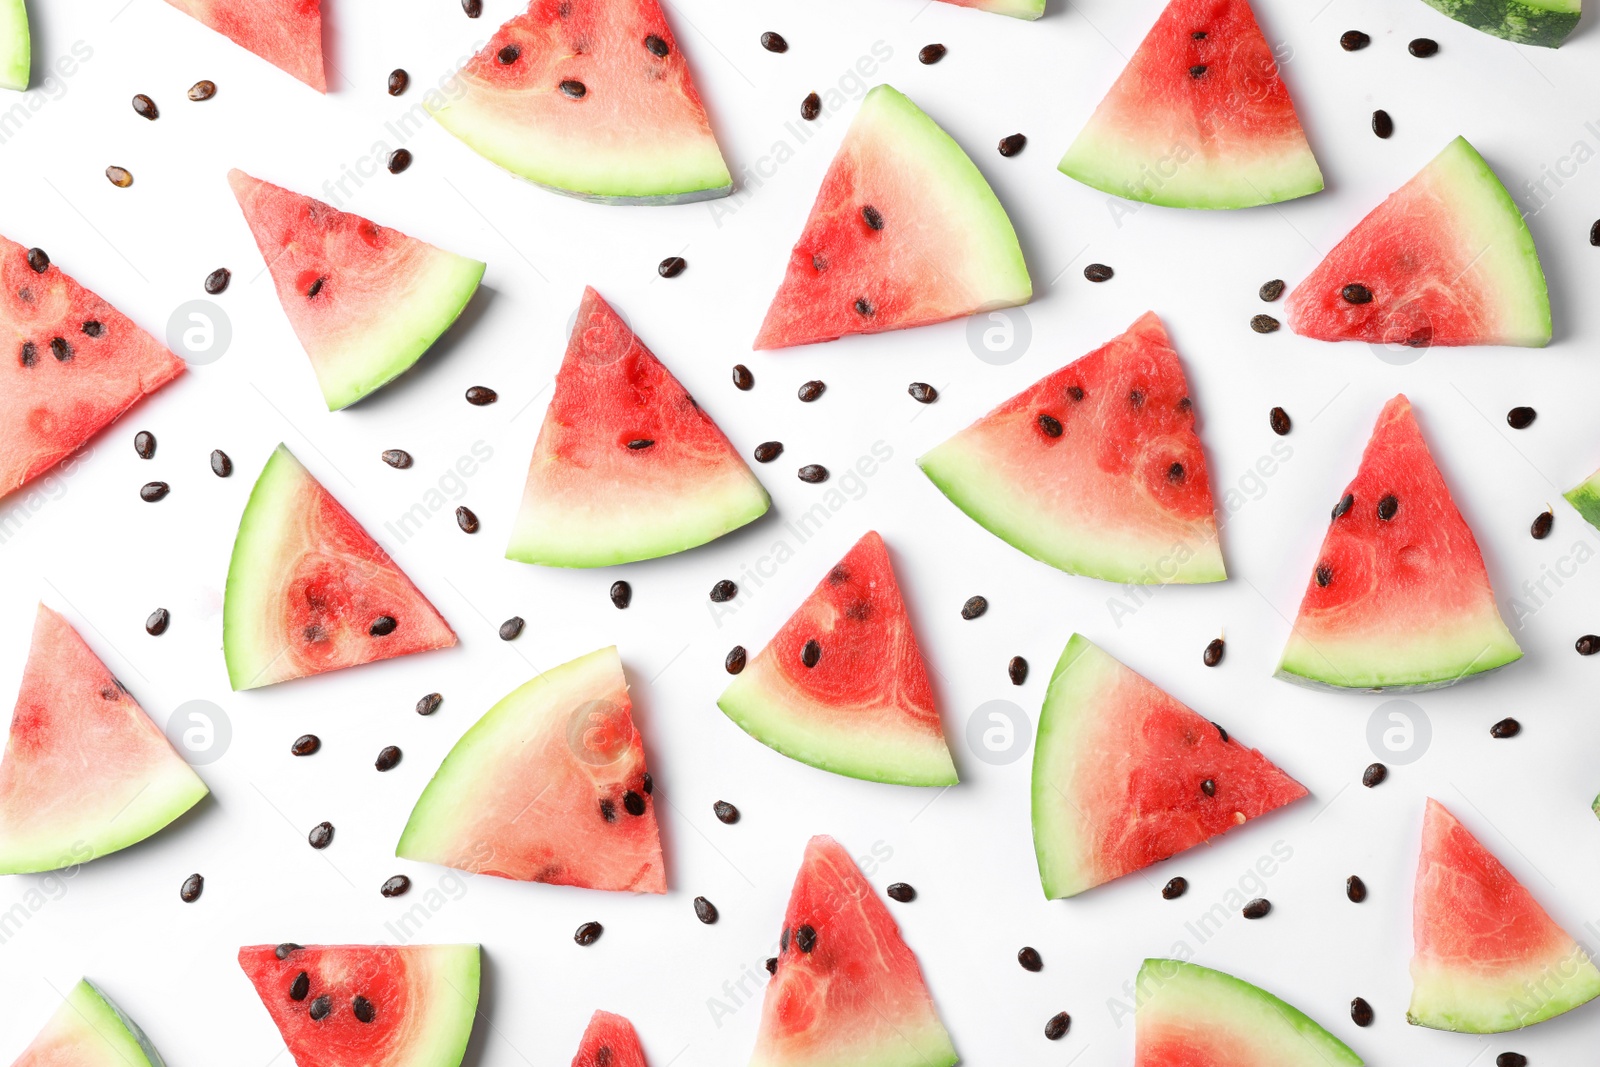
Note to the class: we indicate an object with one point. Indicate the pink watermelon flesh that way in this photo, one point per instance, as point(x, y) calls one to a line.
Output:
point(609, 1041)
point(1022, 9)
point(627, 465)
point(285, 33)
point(1096, 468)
point(85, 770)
point(76, 363)
point(847, 989)
point(865, 709)
point(1488, 958)
point(1402, 601)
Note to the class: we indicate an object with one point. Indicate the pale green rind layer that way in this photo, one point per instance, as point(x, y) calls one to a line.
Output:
point(772, 711)
point(964, 475)
point(1546, 24)
point(414, 319)
point(1185, 996)
point(252, 574)
point(1456, 650)
point(451, 1002)
point(929, 1048)
point(1585, 496)
point(1468, 1003)
point(1017, 9)
point(88, 1030)
point(1101, 160)
point(16, 45)
point(1081, 674)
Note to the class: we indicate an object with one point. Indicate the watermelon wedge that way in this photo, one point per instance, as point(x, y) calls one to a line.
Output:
point(285, 33)
point(1547, 23)
point(549, 786)
point(591, 98)
point(609, 1041)
point(88, 1030)
point(1199, 118)
point(1446, 260)
point(1192, 1016)
point(863, 707)
point(1120, 773)
point(1488, 958)
point(1585, 496)
point(16, 45)
point(85, 771)
point(1095, 468)
point(904, 232)
point(627, 465)
point(1399, 597)
point(1021, 9)
point(847, 989)
point(76, 364)
point(368, 1005)
point(365, 301)
point(310, 591)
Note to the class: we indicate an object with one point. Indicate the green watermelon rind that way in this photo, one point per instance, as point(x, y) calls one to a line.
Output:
point(1017, 9)
point(16, 45)
point(1443, 663)
point(109, 1037)
point(1538, 990)
point(1065, 867)
point(247, 646)
point(1547, 24)
point(1207, 1000)
point(1585, 497)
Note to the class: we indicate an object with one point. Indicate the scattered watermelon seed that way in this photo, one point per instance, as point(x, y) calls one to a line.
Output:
point(363, 1010)
point(573, 89)
point(221, 465)
point(1511, 1059)
point(1270, 291)
point(805, 938)
point(39, 260)
point(283, 950)
point(931, 54)
point(1010, 146)
point(1356, 293)
point(774, 42)
point(508, 55)
point(812, 390)
point(1264, 324)
point(723, 591)
point(1058, 1025)
point(1374, 775)
point(1213, 653)
point(657, 46)
point(382, 626)
point(1175, 888)
point(397, 458)
point(320, 837)
point(1505, 728)
point(156, 624)
point(145, 107)
point(726, 813)
point(1050, 425)
point(1387, 507)
point(813, 473)
point(1344, 504)
point(1017, 670)
point(1324, 575)
point(466, 519)
point(633, 803)
point(481, 395)
point(811, 653)
point(388, 758)
point(1257, 908)
point(150, 492)
point(864, 307)
point(922, 392)
point(1423, 47)
point(1594, 233)
point(305, 745)
point(1360, 1012)
point(1281, 423)
point(811, 107)
point(144, 444)
point(1353, 40)
point(1382, 124)
point(1588, 645)
point(1541, 525)
point(429, 704)
point(397, 886)
point(399, 160)
point(588, 934)
point(1028, 956)
point(734, 661)
point(1521, 418)
point(1208, 787)
point(300, 986)
point(217, 281)
point(202, 90)
point(398, 81)
point(672, 266)
point(705, 911)
point(473, 8)
point(639, 444)
point(119, 176)
point(743, 380)
point(974, 607)
point(320, 1008)
point(1098, 272)
point(192, 887)
point(1355, 889)
point(904, 892)
point(511, 629)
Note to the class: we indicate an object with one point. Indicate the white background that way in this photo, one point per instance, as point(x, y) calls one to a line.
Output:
point(89, 546)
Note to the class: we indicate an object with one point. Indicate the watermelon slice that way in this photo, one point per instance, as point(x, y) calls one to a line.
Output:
point(609, 1041)
point(591, 98)
point(365, 301)
point(88, 1030)
point(368, 1005)
point(1401, 602)
point(1120, 773)
point(1095, 469)
point(76, 364)
point(549, 786)
point(308, 588)
point(1198, 118)
point(285, 33)
point(627, 465)
point(847, 989)
point(1192, 1016)
point(864, 707)
point(85, 771)
point(16, 45)
point(1547, 23)
point(904, 232)
point(1488, 958)
point(1021, 9)
point(1585, 496)
point(1446, 260)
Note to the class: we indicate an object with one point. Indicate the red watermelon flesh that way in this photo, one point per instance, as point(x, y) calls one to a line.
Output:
point(847, 989)
point(609, 1041)
point(865, 708)
point(368, 1005)
point(285, 33)
point(76, 363)
point(1402, 601)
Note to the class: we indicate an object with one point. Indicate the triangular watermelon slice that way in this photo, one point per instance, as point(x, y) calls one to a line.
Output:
point(904, 232)
point(1192, 1016)
point(368, 1005)
point(627, 465)
point(1021, 9)
point(85, 771)
point(847, 989)
point(16, 45)
point(365, 301)
point(1399, 597)
point(74, 364)
point(1446, 260)
point(285, 33)
point(609, 1041)
point(1095, 469)
point(591, 98)
point(1488, 958)
point(549, 786)
point(1125, 776)
point(310, 591)
point(88, 1030)
point(1199, 118)
point(842, 685)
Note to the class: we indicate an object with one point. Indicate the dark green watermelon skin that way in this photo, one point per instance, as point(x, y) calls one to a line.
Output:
point(1512, 20)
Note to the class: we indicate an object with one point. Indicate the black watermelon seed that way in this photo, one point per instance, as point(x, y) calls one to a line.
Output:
point(772, 965)
point(1355, 889)
point(1511, 1059)
point(144, 444)
point(1017, 670)
point(38, 259)
point(217, 281)
point(399, 160)
point(1028, 956)
point(1270, 291)
point(1175, 472)
point(429, 704)
point(726, 813)
point(774, 42)
point(1208, 787)
point(1324, 575)
point(382, 626)
point(1197, 71)
point(388, 758)
point(511, 628)
point(1264, 324)
point(647, 782)
point(221, 465)
point(305, 744)
point(705, 911)
point(1058, 1025)
point(1010, 146)
point(1594, 233)
point(723, 592)
point(931, 54)
point(903, 892)
point(508, 55)
point(61, 348)
point(1098, 272)
point(481, 395)
point(473, 8)
point(204, 89)
point(283, 950)
point(1360, 1012)
point(922, 392)
point(1257, 908)
point(1521, 418)
point(733, 663)
point(156, 624)
point(743, 380)
point(573, 89)
point(1175, 888)
point(398, 458)
point(639, 444)
point(1213, 653)
point(1541, 525)
point(1356, 293)
point(315, 287)
point(1075, 394)
point(811, 653)
point(811, 107)
point(1280, 421)
point(657, 46)
point(1374, 775)
point(1222, 732)
point(466, 520)
point(608, 810)
point(588, 934)
point(813, 473)
point(1344, 504)
point(633, 803)
point(811, 390)
point(783, 940)
point(1588, 645)
point(1050, 425)
point(1505, 728)
point(1423, 47)
point(363, 1010)
point(300, 986)
point(30, 353)
point(621, 595)
point(397, 886)
point(974, 607)
point(864, 307)
point(805, 938)
point(1136, 398)
point(1353, 40)
point(398, 81)
point(191, 889)
point(1382, 124)
point(320, 837)
point(150, 492)
point(672, 266)
point(320, 1008)
point(1387, 508)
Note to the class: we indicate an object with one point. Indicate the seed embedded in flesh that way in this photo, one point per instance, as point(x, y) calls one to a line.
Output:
point(1353, 40)
point(94, 328)
point(150, 492)
point(1324, 575)
point(573, 89)
point(1050, 425)
point(1264, 324)
point(144, 444)
point(1270, 291)
point(588, 933)
point(1017, 670)
point(1505, 728)
point(398, 81)
point(1213, 653)
point(1257, 908)
point(811, 653)
point(38, 260)
point(633, 803)
point(1356, 293)
point(1521, 418)
point(61, 349)
point(30, 354)
point(283, 950)
point(221, 465)
point(300, 986)
point(930, 54)
point(639, 444)
point(733, 663)
point(320, 837)
point(382, 626)
point(1098, 272)
point(511, 629)
point(305, 744)
point(657, 46)
point(191, 889)
point(397, 886)
point(1058, 1025)
point(202, 90)
point(726, 813)
point(1010, 146)
point(743, 380)
point(119, 176)
point(1374, 775)
point(320, 1008)
point(429, 704)
point(1028, 956)
point(397, 458)
point(705, 911)
point(864, 307)
point(1175, 888)
point(399, 160)
point(508, 55)
point(903, 892)
point(388, 758)
point(767, 451)
point(1387, 508)
point(922, 392)
point(1281, 423)
point(1175, 473)
point(1541, 525)
point(1208, 787)
point(1344, 504)
point(813, 473)
point(217, 281)
point(1423, 47)
point(363, 1010)
point(811, 107)
point(1197, 71)
point(1360, 1012)
point(466, 520)
point(805, 938)
point(774, 42)
point(156, 624)
point(974, 607)
point(1355, 889)
point(723, 591)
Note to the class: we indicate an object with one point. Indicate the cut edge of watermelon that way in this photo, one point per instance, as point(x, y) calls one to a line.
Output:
point(16, 45)
point(1545, 23)
point(1017, 9)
